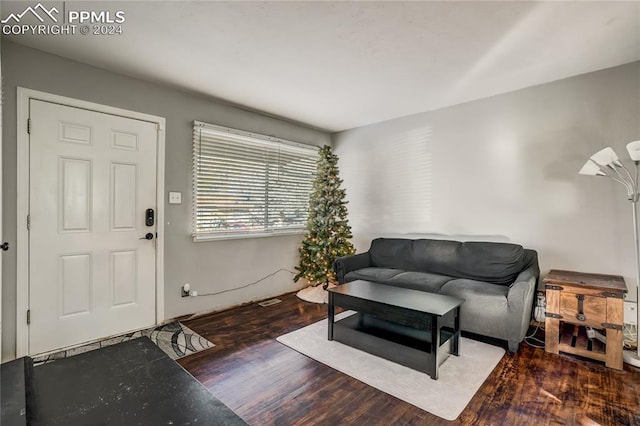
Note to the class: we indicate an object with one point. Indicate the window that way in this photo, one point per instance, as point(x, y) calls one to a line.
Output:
point(246, 184)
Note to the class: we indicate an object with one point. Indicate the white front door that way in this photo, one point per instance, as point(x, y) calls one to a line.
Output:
point(92, 179)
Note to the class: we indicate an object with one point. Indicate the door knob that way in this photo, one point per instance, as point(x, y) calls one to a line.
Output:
point(4, 246)
point(148, 236)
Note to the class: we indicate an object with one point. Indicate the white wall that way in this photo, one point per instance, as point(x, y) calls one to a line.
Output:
point(504, 168)
point(207, 266)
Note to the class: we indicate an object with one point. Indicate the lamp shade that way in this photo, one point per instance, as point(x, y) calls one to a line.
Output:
point(606, 157)
point(590, 168)
point(634, 150)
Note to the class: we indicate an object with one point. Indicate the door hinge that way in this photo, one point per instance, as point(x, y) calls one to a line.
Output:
point(28, 125)
point(28, 316)
point(28, 222)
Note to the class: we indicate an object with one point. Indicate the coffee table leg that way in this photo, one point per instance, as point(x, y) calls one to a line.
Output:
point(435, 345)
point(455, 350)
point(330, 316)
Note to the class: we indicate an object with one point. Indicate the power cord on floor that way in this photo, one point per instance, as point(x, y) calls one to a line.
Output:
point(539, 310)
point(533, 341)
point(247, 285)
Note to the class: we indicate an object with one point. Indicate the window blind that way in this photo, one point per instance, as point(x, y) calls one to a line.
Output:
point(248, 184)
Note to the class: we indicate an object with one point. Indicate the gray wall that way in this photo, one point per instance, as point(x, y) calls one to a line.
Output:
point(207, 266)
point(504, 168)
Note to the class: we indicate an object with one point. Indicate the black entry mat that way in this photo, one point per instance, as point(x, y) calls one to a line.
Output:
point(130, 383)
point(16, 377)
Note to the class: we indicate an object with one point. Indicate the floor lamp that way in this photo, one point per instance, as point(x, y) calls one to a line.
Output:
point(606, 163)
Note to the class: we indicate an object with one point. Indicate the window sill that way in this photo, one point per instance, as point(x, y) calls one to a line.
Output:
point(239, 236)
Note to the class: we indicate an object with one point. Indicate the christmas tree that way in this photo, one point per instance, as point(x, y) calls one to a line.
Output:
point(328, 231)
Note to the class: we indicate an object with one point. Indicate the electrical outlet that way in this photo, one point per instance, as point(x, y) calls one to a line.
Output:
point(184, 290)
point(175, 197)
point(630, 313)
point(539, 309)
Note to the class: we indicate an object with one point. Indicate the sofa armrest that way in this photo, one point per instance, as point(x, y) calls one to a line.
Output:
point(343, 265)
point(520, 302)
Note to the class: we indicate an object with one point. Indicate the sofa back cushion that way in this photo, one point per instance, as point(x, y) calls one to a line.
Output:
point(413, 255)
point(497, 263)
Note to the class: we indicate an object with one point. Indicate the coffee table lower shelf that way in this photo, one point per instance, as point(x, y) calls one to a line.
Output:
point(401, 344)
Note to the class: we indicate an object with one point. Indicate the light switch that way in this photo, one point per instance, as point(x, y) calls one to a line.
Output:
point(175, 197)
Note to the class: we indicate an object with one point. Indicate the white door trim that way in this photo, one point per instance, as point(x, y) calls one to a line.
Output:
point(22, 205)
point(1, 228)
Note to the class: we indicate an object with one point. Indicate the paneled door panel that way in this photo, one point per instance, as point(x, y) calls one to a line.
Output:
point(92, 176)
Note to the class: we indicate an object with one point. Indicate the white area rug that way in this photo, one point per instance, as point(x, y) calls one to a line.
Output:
point(459, 377)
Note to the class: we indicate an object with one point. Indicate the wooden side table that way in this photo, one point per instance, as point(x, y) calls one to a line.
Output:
point(590, 300)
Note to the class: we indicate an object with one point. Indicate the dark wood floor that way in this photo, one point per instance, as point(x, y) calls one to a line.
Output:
point(266, 383)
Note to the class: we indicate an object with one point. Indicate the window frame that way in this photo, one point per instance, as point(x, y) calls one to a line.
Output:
point(220, 131)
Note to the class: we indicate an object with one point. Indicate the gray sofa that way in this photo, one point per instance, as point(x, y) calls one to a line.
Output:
point(496, 280)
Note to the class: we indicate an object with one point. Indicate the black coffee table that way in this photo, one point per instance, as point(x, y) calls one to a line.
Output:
point(410, 327)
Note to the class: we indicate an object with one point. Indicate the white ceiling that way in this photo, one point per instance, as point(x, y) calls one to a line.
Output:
point(339, 65)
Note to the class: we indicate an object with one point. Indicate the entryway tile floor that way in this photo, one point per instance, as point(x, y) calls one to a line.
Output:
point(175, 339)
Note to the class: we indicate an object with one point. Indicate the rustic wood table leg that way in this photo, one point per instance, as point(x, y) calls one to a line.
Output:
point(615, 337)
point(552, 335)
point(552, 325)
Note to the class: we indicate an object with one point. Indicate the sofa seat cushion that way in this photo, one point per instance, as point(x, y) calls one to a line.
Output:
point(381, 275)
point(485, 309)
point(423, 281)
